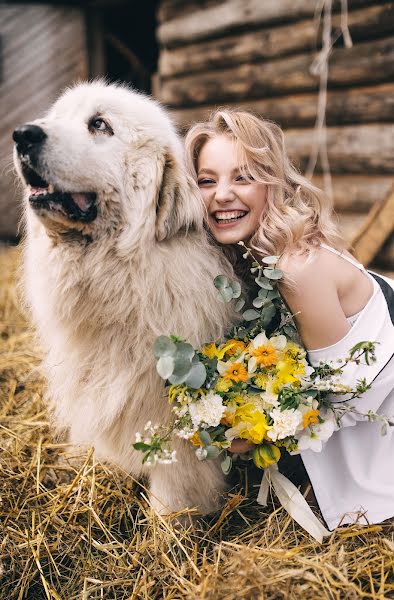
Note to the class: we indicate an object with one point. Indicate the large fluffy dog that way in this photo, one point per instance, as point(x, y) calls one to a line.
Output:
point(115, 255)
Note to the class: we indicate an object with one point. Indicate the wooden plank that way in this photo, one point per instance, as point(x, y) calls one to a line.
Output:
point(270, 43)
point(385, 257)
point(378, 226)
point(349, 224)
point(364, 63)
point(235, 14)
point(356, 194)
point(352, 149)
point(357, 105)
point(172, 9)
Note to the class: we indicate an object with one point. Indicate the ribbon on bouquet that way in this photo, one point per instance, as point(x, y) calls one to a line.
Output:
point(292, 501)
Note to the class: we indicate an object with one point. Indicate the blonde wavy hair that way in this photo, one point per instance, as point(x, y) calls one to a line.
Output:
point(298, 216)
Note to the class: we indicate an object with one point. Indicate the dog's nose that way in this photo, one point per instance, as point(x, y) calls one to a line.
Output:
point(28, 136)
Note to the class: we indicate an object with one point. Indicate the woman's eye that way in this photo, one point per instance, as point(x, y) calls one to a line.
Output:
point(205, 181)
point(99, 124)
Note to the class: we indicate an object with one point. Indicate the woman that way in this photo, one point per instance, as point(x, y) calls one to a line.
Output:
point(253, 194)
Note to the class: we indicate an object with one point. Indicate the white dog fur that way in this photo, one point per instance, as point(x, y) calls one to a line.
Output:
point(101, 292)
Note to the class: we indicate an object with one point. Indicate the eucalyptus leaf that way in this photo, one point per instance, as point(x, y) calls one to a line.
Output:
point(240, 304)
point(258, 302)
point(182, 366)
point(205, 437)
point(251, 314)
point(270, 260)
point(236, 288)
point(163, 346)
point(197, 376)
point(226, 464)
point(273, 273)
point(220, 282)
point(184, 350)
point(225, 294)
point(263, 283)
point(165, 366)
point(212, 452)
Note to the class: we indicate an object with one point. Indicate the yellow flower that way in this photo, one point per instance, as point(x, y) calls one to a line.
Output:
point(266, 455)
point(293, 350)
point(212, 351)
point(236, 346)
point(195, 439)
point(209, 350)
point(261, 380)
point(310, 417)
point(265, 355)
point(252, 424)
point(236, 372)
point(222, 385)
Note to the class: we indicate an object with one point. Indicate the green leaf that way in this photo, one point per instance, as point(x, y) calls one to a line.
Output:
point(240, 304)
point(226, 464)
point(141, 446)
point(263, 283)
point(197, 376)
point(182, 366)
point(165, 366)
point(220, 282)
point(184, 350)
point(205, 437)
point(212, 452)
point(250, 314)
point(163, 346)
point(270, 260)
point(236, 287)
point(258, 302)
point(225, 294)
point(273, 273)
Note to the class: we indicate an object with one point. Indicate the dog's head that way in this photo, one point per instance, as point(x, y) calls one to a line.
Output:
point(106, 159)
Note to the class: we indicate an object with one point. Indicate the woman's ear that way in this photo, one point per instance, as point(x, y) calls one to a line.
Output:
point(178, 203)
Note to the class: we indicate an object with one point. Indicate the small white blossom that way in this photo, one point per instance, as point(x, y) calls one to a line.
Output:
point(312, 437)
point(285, 423)
point(138, 437)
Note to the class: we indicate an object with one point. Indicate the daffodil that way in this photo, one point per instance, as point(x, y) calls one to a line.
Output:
point(235, 347)
point(233, 371)
point(223, 385)
point(265, 351)
point(311, 417)
point(212, 351)
point(249, 424)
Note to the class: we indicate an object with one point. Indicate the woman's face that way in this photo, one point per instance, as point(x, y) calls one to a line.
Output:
point(234, 204)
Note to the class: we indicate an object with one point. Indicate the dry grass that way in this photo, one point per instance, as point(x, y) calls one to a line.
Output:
point(77, 529)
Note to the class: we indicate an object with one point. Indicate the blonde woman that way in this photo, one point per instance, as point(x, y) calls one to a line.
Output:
point(252, 193)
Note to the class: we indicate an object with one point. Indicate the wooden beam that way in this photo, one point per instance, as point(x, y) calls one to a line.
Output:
point(356, 105)
point(352, 149)
point(364, 63)
point(356, 194)
point(378, 226)
point(235, 14)
point(269, 43)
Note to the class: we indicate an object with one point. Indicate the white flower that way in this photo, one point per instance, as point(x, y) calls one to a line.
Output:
point(208, 409)
point(312, 437)
point(276, 341)
point(138, 437)
point(285, 423)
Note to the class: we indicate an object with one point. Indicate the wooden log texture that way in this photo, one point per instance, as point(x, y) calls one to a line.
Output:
point(357, 105)
point(376, 229)
point(235, 15)
point(271, 43)
point(385, 257)
point(356, 194)
point(364, 149)
point(364, 63)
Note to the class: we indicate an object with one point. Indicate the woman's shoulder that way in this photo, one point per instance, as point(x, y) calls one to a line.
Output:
point(314, 266)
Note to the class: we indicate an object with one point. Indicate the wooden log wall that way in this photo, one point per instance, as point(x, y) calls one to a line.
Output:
point(258, 55)
point(43, 49)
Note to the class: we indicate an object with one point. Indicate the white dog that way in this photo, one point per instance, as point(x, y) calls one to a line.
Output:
point(115, 255)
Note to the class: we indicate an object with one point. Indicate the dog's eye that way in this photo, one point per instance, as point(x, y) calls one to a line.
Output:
point(99, 124)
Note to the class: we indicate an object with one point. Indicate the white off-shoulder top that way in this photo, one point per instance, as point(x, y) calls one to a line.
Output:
point(353, 476)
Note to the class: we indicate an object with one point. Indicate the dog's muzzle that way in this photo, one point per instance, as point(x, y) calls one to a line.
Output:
point(28, 138)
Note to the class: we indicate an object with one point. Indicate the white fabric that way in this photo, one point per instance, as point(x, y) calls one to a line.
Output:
point(353, 476)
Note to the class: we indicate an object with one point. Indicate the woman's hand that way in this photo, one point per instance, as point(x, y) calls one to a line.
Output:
point(239, 446)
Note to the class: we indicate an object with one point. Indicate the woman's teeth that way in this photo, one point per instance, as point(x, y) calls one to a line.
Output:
point(230, 216)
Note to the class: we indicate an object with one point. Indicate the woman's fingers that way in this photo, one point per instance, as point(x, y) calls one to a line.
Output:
point(239, 446)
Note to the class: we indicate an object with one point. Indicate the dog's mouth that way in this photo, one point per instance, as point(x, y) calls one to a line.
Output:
point(75, 206)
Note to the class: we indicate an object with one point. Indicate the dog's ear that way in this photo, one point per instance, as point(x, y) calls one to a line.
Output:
point(178, 204)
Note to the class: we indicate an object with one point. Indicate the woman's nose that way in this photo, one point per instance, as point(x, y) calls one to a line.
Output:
point(224, 193)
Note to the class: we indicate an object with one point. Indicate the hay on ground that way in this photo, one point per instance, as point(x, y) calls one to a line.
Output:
point(74, 529)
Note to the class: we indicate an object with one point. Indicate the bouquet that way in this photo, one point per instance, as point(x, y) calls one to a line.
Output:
point(255, 385)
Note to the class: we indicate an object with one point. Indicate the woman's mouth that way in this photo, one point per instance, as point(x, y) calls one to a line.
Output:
point(226, 217)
